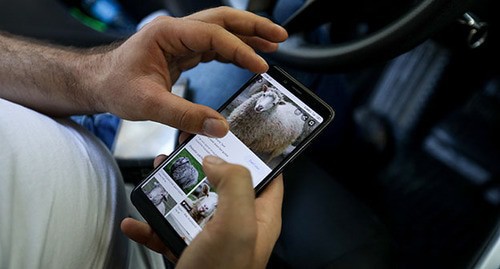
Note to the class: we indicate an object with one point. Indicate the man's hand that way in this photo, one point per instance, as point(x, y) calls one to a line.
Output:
point(137, 79)
point(133, 79)
point(242, 232)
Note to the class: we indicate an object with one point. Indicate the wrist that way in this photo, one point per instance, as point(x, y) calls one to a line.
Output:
point(93, 69)
point(90, 72)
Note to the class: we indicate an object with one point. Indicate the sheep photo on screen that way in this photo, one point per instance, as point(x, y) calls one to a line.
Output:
point(201, 203)
point(267, 121)
point(159, 196)
point(185, 170)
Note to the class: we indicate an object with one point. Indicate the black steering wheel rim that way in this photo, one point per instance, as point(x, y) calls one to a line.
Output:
point(418, 24)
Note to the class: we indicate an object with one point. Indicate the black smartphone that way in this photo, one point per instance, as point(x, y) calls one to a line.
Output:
point(272, 118)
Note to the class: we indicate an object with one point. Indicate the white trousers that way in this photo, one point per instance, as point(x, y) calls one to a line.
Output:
point(62, 197)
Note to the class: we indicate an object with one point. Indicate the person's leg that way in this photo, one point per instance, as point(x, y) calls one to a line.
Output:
point(104, 126)
point(62, 197)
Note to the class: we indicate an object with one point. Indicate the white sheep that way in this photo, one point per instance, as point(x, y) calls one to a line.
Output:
point(204, 206)
point(157, 195)
point(266, 123)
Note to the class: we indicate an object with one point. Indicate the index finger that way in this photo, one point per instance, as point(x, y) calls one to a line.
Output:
point(195, 36)
point(242, 22)
point(200, 37)
point(187, 116)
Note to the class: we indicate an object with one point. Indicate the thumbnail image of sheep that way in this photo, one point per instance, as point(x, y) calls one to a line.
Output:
point(159, 196)
point(268, 122)
point(185, 170)
point(202, 203)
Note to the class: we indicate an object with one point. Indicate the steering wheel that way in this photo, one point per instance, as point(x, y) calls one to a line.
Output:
point(419, 23)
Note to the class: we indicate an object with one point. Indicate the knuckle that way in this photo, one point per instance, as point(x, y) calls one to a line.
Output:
point(223, 9)
point(147, 105)
point(187, 120)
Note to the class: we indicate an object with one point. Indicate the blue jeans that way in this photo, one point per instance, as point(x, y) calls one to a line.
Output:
point(104, 126)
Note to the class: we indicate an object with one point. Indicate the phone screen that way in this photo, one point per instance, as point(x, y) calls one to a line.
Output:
point(271, 119)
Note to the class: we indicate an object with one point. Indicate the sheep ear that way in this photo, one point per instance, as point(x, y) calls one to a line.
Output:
point(205, 189)
point(281, 102)
point(265, 88)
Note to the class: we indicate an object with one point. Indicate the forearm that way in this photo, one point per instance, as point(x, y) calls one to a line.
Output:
point(134, 80)
point(53, 80)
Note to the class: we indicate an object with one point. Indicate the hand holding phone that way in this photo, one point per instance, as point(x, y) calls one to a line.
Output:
point(267, 209)
point(272, 118)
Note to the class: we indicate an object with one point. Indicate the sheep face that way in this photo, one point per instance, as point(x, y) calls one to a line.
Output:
point(207, 204)
point(266, 101)
point(204, 207)
point(157, 194)
point(266, 122)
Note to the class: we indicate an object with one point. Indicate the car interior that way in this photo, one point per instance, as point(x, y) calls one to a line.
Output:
point(408, 173)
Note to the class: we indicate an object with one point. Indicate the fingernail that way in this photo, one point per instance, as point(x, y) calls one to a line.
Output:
point(213, 160)
point(215, 127)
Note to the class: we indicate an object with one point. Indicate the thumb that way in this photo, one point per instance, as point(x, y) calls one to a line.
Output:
point(233, 184)
point(229, 238)
point(186, 116)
